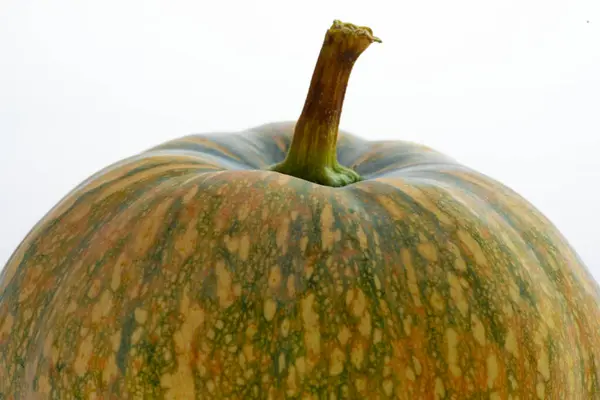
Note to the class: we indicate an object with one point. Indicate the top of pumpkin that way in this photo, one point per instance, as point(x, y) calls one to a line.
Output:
point(312, 154)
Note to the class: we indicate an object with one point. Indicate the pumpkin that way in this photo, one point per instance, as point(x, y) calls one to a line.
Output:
point(296, 261)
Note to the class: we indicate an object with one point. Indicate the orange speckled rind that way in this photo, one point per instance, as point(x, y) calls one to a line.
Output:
point(188, 272)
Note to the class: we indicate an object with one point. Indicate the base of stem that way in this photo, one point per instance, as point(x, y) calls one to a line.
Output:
point(336, 176)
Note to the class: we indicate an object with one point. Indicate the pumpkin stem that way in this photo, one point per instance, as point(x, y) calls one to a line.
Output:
point(312, 154)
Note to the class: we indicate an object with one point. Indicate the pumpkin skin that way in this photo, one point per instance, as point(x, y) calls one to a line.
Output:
point(190, 271)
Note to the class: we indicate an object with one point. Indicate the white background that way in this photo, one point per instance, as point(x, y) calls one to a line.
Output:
point(510, 88)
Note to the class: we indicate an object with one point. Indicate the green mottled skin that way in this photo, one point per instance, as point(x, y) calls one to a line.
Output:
point(192, 271)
